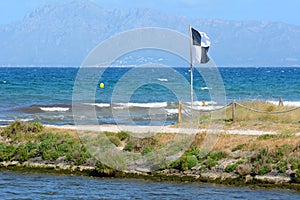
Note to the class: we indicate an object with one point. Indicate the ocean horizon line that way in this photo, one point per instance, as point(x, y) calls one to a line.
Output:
point(135, 65)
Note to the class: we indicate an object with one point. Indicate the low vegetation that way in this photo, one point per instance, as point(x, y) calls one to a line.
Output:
point(22, 141)
point(286, 122)
point(246, 155)
point(239, 154)
point(248, 115)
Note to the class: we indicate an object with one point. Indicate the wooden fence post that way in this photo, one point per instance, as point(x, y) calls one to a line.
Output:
point(280, 102)
point(233, 109)
point(179, 112)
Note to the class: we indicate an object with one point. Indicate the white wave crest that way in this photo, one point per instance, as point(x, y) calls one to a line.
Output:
point(142, 105)
point(54, 109)
point(287, 103)
point(205, 88)
point(172, 111)
point(205, 108)
point(100, 105)
point(7, 120)
point(12, 120)
point(163, 79)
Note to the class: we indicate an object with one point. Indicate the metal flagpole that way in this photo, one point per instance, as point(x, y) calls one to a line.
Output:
point(191, 65)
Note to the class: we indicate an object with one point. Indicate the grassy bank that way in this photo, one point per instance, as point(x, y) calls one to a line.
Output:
point(286, 122)
point(22, 141)
point(235, 159)
point(245, 119)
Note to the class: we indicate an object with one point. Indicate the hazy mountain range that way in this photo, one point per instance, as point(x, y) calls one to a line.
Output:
point(63, 34)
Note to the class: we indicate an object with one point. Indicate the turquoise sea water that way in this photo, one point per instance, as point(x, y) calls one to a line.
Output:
point(45, 94)
point(43, 186)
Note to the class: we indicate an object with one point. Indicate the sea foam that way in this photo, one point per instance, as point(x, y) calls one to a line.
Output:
point(100, 105)
point(163, 79)
point(287, 103)
point(54, 109)
point(142, 105)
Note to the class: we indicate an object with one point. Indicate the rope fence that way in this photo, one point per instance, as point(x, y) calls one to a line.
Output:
point(211, 110)
point(267, 112)
point(188, 109)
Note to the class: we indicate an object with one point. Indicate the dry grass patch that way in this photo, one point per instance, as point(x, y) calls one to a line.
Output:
point(248, 120)
point(263, 126)
point(243, 114)
point(199, 139)
point(227, 142)
point(273, 142)
point(165, 138)
point(61, 131)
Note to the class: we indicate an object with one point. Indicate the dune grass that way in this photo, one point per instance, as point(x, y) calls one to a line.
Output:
point(244, 114)
point(284, 123)
point(246, 119)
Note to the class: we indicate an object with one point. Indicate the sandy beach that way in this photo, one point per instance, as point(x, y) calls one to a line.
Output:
point(157, 129)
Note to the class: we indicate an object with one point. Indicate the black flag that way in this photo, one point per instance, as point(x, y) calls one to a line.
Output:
point(201, 43)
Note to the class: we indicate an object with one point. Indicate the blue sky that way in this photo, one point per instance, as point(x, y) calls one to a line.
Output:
point(272, 10)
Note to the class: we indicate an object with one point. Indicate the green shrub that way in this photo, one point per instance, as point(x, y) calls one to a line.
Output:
point(25, 151)
point(266, 136)
point(22, 127)
point(21, 153)
point(282, 166)
point(45, 145)
point(238, 147)
point(53, 146)
point(49, 146)
point(176, 164)
point(295, 165)
point(192, 161)
point(84, 156)
point(231, 168)
point(192, 151)
point(129, 146)
point(282, 169)
point(16, 127)
point(147, 150)
point(240, 162)
point(217, 155)
point(188, 161)
point(262, 157)
point(264, 169)
point(122, 135)
point(283, 150)
point(35, 127)
point(213, 158)
point(50, 154)
point(109, 134)
point(32, 148)
point(115, 140)
point(184, 165)
point(6, 152)
point(63, 148)
point(211, 163)
point(297, 176)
